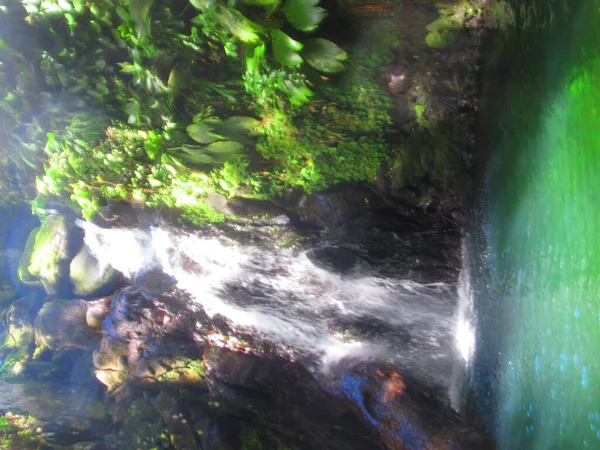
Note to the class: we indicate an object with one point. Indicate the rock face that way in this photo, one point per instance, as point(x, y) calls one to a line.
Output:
point(20, 318)
point(89, 277)
point(48, 254)
point(404, 411)
point(146, 340)
point(61, 324)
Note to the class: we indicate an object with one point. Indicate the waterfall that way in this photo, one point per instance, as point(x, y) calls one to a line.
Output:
point(464, 331)
point(282, 295)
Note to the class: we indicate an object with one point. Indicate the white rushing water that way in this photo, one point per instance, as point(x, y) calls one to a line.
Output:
point(284, 296)
point(464, 332)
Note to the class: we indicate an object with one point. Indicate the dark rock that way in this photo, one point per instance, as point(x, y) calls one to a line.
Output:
point(61, 324)
point(406, 413)
point(154, 281)
point(338, 259)
point(328, 210)
point(148, 340)
point(20, 319)
point(251, 208)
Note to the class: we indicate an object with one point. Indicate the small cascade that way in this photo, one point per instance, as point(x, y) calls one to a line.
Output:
point(284, 297)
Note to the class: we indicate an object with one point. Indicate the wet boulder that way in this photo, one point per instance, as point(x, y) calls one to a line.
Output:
point(45, 415)
point(154, 280)
point(97, 311)
point(405, 412)
point(9, 260)
point(48, 254)
point(147, 340)
point(17, 339)
point(89, 276)
point(23, 272)
point(61, 324)
point(20, 319)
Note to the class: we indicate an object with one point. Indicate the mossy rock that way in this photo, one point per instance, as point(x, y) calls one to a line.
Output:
point(56, 243)
point(443, 32)
point(90, 277)
point(443, 38)
point(23, 270)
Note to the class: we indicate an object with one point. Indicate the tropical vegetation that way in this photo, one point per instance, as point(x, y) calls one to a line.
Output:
point(159, 103)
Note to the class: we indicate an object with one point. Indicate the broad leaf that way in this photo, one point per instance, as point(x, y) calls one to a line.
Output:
point(223, 148)
point(241, 125)
point(238, 25)
point(285, 49)
point(297, 93)
point(202, 4)
point(304, 15)
point(202, 133)
point(262, 2)
point(324, 55)
point(140, 13)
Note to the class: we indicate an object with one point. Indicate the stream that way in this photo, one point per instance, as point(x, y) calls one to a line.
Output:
point(282, 294)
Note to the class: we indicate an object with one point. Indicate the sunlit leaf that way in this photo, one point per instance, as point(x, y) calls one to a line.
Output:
point(140, 13)
point(224, 147)
point(324, 55)
point(202, 4)
point(304, 15)
point(285, 49)
point(298, 93)
point(202, 133)
point(262, 2)
point(238, 25)
point(241, 124)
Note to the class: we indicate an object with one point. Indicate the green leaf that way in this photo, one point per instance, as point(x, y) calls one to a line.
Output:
point(241, 125)
point(285, 49)
point(140, 13)
point(262, 2)
point(324, 55)
point(202, 4)
point(297, 93)
point(223, 148)
point(202, 133)
point(254, 57)
point(238, 25)
point(304, 15)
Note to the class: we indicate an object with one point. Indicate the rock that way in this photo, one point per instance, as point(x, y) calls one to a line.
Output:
point(174, 416)
point(48, 258)
point(338, 259)
point(147, 341)
point(406, 413)
point(331, 209)
point(154, 280)
point(23, 270)
point(53, 416)
point(61, 324)
point(20, 319)
point(97, 311)
point(216, 201)
point(9, 261)
point(251, 208)
point(89, 277)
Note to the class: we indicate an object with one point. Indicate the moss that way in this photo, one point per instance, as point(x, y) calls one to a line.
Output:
point(18, 432)
point(184, 371)
point(23, 272)
point(442, 38)
point(252, 440)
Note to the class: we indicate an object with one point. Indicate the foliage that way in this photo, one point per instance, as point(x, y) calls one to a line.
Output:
point(18, 431)
point(159, 103)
